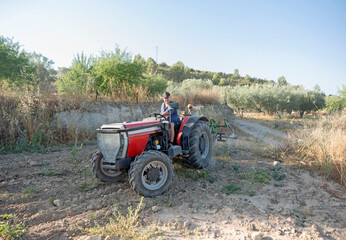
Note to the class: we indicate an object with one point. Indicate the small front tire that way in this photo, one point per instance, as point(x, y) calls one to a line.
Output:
point(151, 173)
point(102, 172)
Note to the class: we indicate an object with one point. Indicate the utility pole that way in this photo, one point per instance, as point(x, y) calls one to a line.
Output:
point(157, 49)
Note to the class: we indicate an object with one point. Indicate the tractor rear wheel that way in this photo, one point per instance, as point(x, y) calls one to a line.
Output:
point(200, 142)
point(103, 171)
point(151, 173)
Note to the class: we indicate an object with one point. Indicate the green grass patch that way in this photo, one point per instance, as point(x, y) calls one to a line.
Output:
point(88, 186)
point(30, 192)
point(5, 195)
point(190, 173)
point(231, 189)
point(257, 176)
point(10, 228)
point(235, 189)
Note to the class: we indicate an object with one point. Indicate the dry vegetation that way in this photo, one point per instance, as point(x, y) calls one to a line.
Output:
point(203, 96)
point(28, 121)
point(316, 142)
point(322, 146)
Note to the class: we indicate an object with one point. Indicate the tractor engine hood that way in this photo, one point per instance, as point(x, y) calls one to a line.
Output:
point(113, 138)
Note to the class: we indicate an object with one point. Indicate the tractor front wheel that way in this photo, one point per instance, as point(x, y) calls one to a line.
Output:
point(105, 171)
point(151, 173)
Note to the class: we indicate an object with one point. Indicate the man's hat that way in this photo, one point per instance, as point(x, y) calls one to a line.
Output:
point(166, 95)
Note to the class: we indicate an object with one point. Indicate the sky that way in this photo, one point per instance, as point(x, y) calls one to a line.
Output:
point(302, 40)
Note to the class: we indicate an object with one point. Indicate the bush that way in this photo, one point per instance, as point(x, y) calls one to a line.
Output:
point(335, 103)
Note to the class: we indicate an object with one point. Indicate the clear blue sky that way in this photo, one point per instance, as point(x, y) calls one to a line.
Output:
point(303, 40)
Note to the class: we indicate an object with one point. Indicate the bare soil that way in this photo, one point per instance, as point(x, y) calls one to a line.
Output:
point(55, 192)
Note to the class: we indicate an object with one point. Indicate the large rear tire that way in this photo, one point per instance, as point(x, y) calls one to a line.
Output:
point(151, 173)
point(105, 174)
point(200, 142)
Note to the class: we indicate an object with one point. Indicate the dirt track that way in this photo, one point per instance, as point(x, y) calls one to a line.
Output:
point(261, 132)
point(53, 192)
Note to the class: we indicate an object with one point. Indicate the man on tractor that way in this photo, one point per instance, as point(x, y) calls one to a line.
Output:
point(173, 114)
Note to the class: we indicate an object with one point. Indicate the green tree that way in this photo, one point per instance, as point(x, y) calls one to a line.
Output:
point(216, 78)
point(282, 81)
point(223, 82)
point(116, 73)
point(156, 84)
point(15, 67)
point(236, 73)
point(138, 59)
point(44, 73)
point(334, 103)
point(342, 92)
point(79, 78)
point(178, 72)
point(151, 66)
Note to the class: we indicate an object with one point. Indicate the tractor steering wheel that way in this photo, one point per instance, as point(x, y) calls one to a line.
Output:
point(157, 114)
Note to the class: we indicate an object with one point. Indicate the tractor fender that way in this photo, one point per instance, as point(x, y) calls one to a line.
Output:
point(185, 129)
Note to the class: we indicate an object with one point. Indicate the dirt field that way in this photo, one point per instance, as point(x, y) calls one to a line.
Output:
point(239, 196)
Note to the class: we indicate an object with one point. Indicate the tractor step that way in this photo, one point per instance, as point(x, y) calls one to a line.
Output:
point(174, 151)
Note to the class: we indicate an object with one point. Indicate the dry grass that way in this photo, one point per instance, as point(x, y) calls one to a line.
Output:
point(322, 147)
point(202, 96)
point(28, 120)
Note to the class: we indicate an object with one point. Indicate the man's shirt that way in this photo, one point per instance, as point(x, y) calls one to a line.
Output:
point(174, 113)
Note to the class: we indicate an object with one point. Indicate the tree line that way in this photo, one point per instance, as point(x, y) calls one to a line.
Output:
point(274, 99)
point(119, 75)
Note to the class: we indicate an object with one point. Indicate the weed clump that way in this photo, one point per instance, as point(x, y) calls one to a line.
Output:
point(123, 226)
point(231, 189)
point(257, 176)
point(10, 228)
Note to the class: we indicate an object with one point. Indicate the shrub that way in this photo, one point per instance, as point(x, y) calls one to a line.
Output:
point(335, 103)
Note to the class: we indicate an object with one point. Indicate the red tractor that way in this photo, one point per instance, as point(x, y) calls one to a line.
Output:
point(142, 150)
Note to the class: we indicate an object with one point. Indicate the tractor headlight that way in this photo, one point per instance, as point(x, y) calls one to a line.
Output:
point(109, 145)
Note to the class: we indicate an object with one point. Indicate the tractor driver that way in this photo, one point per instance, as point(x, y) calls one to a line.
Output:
point(174, 114)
